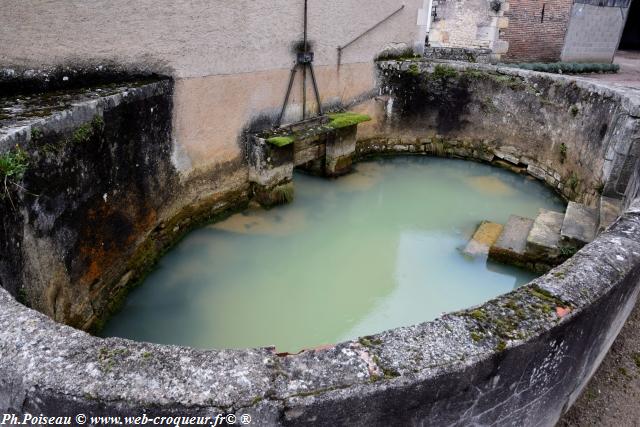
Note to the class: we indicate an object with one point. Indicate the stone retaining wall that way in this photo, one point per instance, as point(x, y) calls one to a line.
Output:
point(580, 138)
point(100, 199)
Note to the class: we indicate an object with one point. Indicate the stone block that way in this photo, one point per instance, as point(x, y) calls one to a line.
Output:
point(511, 245)
point(340, 149)
point(484, 237)
point(579, 225)
point(536, 171)
point(500, 47)
point(609, 209)
point(508, 154)
point(268, 164)
point(544, 238)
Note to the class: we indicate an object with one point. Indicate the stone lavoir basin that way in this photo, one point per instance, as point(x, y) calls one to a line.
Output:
point(374, 250)
point(358, 270)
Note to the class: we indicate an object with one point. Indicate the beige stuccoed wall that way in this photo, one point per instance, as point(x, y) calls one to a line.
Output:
point(211, 111)
point(231, 59)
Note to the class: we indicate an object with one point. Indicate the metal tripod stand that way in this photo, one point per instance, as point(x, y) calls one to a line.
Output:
point(304, 61)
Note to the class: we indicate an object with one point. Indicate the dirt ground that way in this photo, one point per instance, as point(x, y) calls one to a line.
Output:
point(612, 398)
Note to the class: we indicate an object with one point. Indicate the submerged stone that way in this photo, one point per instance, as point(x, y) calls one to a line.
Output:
point(511, 245)
point(484, 237)
point(490, 185)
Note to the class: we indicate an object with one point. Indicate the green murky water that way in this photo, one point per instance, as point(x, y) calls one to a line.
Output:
point(371, 251)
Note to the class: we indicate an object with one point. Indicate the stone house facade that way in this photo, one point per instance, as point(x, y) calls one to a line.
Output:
point(528, 30)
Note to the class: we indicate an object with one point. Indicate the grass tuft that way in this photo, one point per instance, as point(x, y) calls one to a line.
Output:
point(13, 164)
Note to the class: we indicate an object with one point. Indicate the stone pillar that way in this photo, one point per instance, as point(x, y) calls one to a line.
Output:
point(341, 146)
point(270, 172)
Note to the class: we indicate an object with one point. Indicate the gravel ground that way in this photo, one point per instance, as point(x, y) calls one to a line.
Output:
point(612, 397)
point(629, 74)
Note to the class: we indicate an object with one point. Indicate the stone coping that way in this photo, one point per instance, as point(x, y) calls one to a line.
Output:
point(40, 356)
point(460, 368)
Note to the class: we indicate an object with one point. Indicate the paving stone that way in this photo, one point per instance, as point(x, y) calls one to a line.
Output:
point(544, 237)
point(579, 225)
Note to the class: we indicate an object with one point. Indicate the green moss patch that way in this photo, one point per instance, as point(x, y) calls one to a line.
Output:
point(86, 131)
point(342, 120)
point(281, 141)
point(514, 317)
point(280, 138)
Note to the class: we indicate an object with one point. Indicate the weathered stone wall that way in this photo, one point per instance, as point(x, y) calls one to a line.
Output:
point(99, 201)
point(594, 31)
point(95, 183)
point(469, 24)
point(514, 360)
point(563, 132)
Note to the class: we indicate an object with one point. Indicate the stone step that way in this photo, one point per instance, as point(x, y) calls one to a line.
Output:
point(511, 246)
point(609, 211)
point(543, 241)
point(484, 237)
point(579, 225)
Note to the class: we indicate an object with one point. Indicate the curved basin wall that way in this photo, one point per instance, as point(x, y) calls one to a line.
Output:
point(520, 359)
point(580, 138)
point(100, 198)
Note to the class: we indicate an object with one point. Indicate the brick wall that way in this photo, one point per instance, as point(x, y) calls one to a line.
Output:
point(536, 29)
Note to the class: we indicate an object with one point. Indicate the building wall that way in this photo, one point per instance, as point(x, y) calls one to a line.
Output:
point(534, 36)
point(467, 24)
point(594, 31)
point(231, 60)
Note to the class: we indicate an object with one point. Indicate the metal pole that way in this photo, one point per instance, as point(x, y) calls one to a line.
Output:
point(304, 66)
point(286, 98)
point(305, 25)
point(304, 91)
point(315, 89)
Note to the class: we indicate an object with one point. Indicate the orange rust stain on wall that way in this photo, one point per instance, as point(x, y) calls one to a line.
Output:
point(111, 232)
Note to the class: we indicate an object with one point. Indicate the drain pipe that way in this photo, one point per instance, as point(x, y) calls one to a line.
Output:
point(341, 48)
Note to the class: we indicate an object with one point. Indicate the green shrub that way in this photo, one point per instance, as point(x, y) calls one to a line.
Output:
point(563, 152)
point(404, 54)
point(444, 71)
point(13, 164)
point(566, 67)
